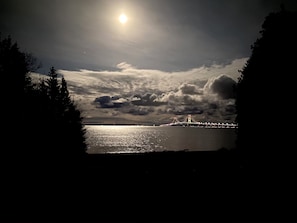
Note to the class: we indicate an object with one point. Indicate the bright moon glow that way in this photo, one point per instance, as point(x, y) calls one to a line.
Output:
point(123, 18)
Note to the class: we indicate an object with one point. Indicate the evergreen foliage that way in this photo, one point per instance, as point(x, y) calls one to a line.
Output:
point(265, 92)
point(64, 120)
point(42, 115)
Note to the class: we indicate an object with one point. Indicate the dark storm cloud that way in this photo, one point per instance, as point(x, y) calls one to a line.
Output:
point(165, 94)
point(190, 89)
point(155, 94)
point(223, 86)
point(126, 105)
point(110, 101)
point(229, 109)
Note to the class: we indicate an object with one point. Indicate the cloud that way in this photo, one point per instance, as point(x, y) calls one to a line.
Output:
point(222, 85)
point(125, 66)
point(190, 89)
point(110, 102)
point(130, 92)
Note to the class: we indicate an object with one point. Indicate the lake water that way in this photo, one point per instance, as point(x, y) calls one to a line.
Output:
point(139, 139)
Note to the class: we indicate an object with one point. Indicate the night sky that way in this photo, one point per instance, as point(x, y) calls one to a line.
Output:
point(171, 57)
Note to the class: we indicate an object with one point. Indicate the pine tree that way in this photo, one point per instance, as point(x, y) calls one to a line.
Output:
point(42, 116)
point(16, 94)
point(65, 126)
point(265, 92)
point(74, 130)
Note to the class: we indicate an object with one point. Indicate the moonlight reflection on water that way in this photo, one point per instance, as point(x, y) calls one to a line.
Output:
point(140, 139)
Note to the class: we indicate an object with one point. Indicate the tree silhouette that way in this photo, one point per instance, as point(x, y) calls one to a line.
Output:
point(13, 67)
point(63, 122)
point(265, 94)
point(16, 93)
point(42, 115)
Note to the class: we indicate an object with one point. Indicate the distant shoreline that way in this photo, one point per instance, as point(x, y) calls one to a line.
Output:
point(92, 123)
point(169, 125)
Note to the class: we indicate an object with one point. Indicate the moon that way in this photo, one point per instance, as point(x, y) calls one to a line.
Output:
point(123, 18)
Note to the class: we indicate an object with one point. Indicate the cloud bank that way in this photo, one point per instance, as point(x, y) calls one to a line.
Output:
point(146, 96)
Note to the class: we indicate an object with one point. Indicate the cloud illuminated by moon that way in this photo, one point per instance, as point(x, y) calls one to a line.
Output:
point(123, 18)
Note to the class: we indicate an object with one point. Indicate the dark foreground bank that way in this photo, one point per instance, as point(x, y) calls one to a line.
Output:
point(158, 165)
point(164, 186)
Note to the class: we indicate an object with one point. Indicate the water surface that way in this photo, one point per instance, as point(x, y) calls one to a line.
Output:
point(135, 139)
